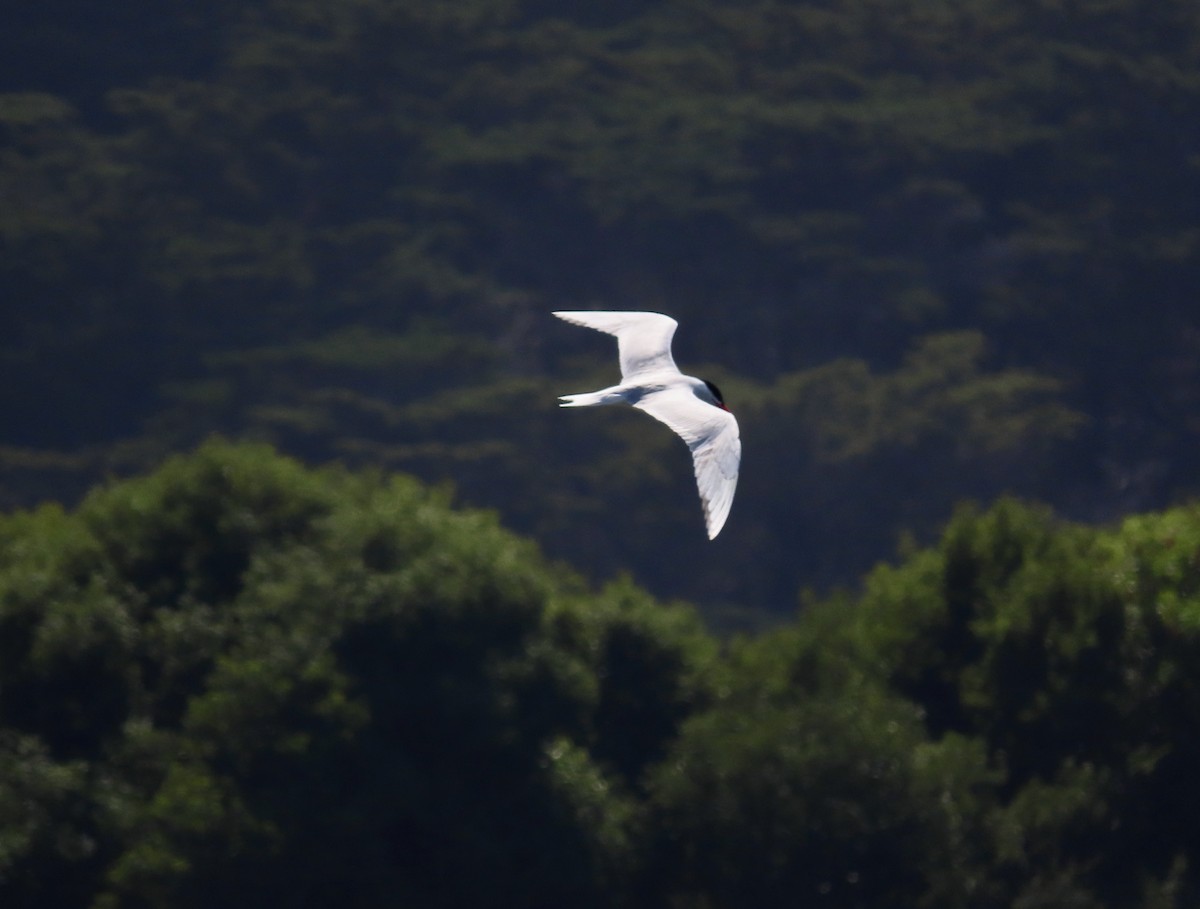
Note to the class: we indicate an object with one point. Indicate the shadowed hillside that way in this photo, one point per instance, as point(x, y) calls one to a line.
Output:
point(930, 251)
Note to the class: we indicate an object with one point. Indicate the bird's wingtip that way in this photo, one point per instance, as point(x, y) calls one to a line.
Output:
point(712, 524)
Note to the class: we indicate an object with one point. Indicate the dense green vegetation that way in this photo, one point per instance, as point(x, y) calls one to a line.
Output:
point(932, 251)
point(238, 681)
point(939, 250)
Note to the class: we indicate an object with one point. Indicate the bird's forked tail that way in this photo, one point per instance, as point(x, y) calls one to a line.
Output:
point(590, 399)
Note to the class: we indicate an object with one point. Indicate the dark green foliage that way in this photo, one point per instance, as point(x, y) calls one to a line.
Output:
point(236, 681)
point(943, 248)
point(1071, 656)
point(771, 805)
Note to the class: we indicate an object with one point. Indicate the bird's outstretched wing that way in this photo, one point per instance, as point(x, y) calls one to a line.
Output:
point(643, 338)
point(712, 435)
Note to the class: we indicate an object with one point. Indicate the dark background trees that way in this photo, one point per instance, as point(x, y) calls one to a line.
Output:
point(930, 252)
point(936, 252)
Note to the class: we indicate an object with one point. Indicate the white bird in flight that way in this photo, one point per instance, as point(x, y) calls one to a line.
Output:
point(693, 408)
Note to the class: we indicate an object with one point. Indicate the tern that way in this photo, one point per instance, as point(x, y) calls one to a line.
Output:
point(693, 408)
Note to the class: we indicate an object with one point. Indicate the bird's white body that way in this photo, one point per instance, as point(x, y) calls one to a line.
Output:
point(651, 381)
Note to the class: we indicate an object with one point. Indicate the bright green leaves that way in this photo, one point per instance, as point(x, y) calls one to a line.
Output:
point(237, 679)
point(236, 676)
point(1061, 651)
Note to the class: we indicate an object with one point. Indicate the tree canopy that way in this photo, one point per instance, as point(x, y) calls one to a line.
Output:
point(240, 680)
point(932, 251)
point(236, 681)
point(939, 250)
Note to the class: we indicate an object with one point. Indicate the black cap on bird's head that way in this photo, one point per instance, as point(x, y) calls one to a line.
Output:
point(716, 393)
